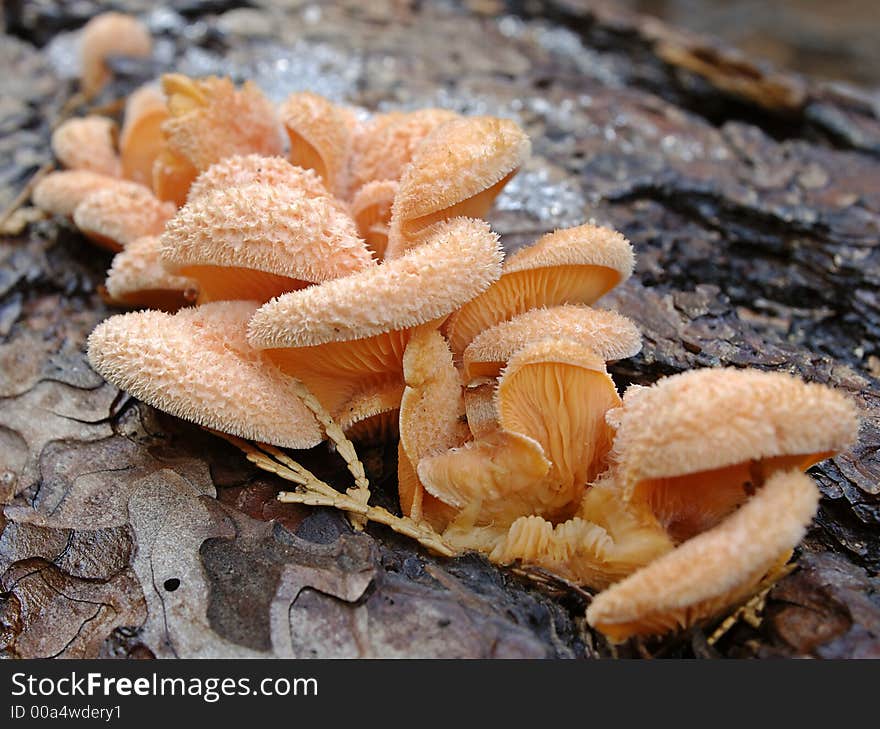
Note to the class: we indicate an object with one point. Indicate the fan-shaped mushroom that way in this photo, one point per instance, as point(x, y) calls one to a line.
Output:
point(105, 35)
point(115, 216)
point(137, 278)
point(570, 266)
point(87, 143)
point(371, 415)
point(352, 331)
point(457, 170)
point(258, 241)
point(59, 193)
point(196, 364)
point(141, 140)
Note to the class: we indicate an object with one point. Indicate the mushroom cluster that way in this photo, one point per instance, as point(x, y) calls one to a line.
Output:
point(311, 272)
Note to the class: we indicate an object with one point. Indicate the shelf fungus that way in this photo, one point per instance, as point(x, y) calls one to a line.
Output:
point(350, 290)
point(196, 364)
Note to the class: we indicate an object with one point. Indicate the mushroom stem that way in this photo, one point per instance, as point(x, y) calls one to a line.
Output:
point(361, 490)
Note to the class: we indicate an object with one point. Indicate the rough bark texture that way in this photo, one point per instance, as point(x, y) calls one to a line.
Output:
point(752, 198)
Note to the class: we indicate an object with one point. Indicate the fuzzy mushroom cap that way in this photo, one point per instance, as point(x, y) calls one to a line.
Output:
point(431, 408)
point(115, 216)
point(711, 419)
point(320, 136)
point(87, 143)
point(197, 365)
point(371, 210)
point(372, 414)
point(460, 261)
point(110, 34)
point(210, 119)
point(558, 393)
point(607, 333)
point(240, 170)
point(715, 569)
point(262, 228)
point(138, 278)
point(457, 170)
point(141, 140)
point(59, 193)
point(570, 266)
point(388, 142)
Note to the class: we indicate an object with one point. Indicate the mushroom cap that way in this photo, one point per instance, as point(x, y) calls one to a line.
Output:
point(459, 262)
point(714, 418)
point(115, 216)
point(141, 139)
point(569, 266)
point(479, 406)
point(607, 333)
point(240, 170)
point(196, 364)
point(320, 135)
point(457, 170)
point(59, 193)
point(386, 144)
point(210, 119)
point(557, 393)
point(713, 570)
point(274, 229)
point(372, 414)
point(109, 34)
point(138, 278)
point(371, 210)
point(87, 143)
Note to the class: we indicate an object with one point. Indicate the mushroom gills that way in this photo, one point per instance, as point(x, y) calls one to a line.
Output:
point(227, 283)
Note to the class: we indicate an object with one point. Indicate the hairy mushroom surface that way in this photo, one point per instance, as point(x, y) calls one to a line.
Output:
point(258, 241)
point(371, 415)
point(606, 333)
point(713, 570)
point(695, 445)
point(59, 193)
point(141, 140)
point(458, 170)
point(106, 35)
point(569, 266)
point(196, 364)
point(115, 216)
point(87, 143)
point(354, 329)
point(137, 278)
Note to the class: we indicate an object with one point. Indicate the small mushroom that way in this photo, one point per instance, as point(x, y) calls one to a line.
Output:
point(431, 418)
point(141, 139)
point(479, 406)
point(349, 331)
point(87, 143)
point(607, 333)
point(570, 266)
point(209, 119)
point(371, 210)
point(138, 279)
point(320, 135)
point(371, 415)
point(695, 445)
point(258, 241)
point(115, 216)
point(713, 570)
point(196, 364)
point(458, 170)
point(59, 193)
point(106, 35)
point(240, 170)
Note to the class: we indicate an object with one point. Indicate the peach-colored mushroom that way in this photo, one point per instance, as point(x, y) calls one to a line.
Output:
point(693, 446)
point(141, 139)
point(115, 216)
point(371, 416)
point(457, 170)
point(209, 119)
point(607, 333)
point(371, 210)
point(87, 143)
point(258, 241)
point(196, 364)
point(106, 35)
point(59, 193)
point(351, 331)
point(137, 278)
point(715, 569)
point(569, 266)
point(320, 135)
point(479, 406)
